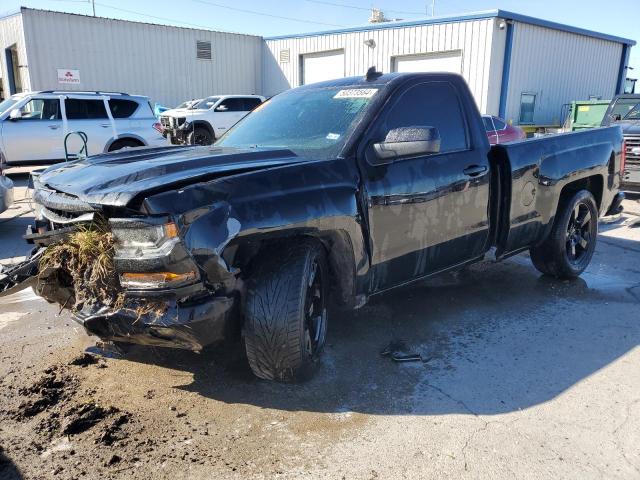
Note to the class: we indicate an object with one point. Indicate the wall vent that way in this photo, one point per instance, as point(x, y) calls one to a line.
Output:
point(284, 56)
point(203, 50)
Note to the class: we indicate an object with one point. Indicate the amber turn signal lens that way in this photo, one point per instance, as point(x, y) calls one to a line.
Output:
point(157, 278)
point(170, 230)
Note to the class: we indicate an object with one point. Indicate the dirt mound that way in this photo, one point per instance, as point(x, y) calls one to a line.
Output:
point(47, 392)
point(62, 409)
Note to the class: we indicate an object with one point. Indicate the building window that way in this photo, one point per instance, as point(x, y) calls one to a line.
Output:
point(527, 107)
point(203, 50)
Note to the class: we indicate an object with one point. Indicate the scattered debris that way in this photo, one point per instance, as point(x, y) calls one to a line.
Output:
point(45, 393)
point(84, 360)
point(83, 417)
point(397, 351)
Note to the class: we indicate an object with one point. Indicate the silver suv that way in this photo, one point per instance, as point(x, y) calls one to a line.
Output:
point(33, 125)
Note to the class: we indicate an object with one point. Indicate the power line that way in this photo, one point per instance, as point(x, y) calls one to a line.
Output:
point(154, 17)
point(355, 7)
point(253, 12)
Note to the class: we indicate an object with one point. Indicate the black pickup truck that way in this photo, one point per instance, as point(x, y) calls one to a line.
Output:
point(323, 196)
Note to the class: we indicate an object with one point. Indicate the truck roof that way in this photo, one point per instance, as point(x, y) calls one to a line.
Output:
point(377, 78)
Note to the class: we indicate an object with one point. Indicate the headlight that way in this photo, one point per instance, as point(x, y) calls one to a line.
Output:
point(133, 234)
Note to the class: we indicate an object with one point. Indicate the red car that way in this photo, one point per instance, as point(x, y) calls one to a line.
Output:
point(500, 131)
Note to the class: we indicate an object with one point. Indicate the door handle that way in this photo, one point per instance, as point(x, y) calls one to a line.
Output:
point(475, 170)
point(54, 127)
point(105, 125)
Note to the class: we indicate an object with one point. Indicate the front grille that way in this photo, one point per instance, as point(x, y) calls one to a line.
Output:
point(61, 208)
point(632, 143)
point(165, 122)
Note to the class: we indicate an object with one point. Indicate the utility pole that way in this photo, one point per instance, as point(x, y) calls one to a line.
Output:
point(93, 5)
point(433, 8)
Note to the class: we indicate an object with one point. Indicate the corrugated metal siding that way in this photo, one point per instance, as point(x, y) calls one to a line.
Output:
point(559, 67)
point(137, 58)
point(11, 32)
point(474, 38)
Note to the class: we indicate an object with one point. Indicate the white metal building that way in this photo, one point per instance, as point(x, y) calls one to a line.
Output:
point(521, 68)
point(168, 64)
point(518, 67)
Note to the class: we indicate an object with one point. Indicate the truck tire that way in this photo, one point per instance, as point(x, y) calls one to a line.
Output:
point(567, 251)
point(200, 136)
point(286, 313)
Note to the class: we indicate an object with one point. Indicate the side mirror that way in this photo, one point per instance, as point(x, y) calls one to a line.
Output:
point(15, 114)
point(222, 108)
point(406, 142)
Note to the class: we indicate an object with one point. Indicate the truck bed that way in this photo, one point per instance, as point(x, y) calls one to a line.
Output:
point(533, 174)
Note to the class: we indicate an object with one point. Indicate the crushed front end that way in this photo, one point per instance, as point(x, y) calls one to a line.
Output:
point(155, 293)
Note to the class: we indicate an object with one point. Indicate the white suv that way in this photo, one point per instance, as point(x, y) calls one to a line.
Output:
point(207, 120)
point(33, 125)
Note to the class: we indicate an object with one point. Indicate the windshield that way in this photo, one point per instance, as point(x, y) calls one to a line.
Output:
point(623, 107)
point(634, 113)
point(312, 123)
point(7, 104)
point(205, 103)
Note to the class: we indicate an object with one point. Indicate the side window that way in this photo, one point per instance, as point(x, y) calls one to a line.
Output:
point(231, 105)
point(431, 104)
point(41, 109)
point(487, 124)
point(527, 107)
point(251, 103)
point(500, 125)
point(122, 108)
point(81, 109)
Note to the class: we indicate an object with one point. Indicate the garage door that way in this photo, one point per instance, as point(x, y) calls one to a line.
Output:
point(317, 67)
point(431, 62)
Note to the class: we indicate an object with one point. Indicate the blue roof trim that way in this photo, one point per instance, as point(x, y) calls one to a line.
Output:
point(466, 17)
point(506, 70)
point(10, 13)
point(622, 72)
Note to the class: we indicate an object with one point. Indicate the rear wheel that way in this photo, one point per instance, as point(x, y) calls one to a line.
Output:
point(124, 143)
point(568, 250)
point(200, 136)
point(286, 312)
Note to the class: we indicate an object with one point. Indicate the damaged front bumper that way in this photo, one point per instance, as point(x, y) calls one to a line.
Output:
point(187, 316)
point(190, 326)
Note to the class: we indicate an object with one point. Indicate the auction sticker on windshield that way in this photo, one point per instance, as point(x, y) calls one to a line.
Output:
point(356, 93)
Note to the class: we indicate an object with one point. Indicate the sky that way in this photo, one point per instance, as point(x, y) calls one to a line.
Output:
point(277, 17)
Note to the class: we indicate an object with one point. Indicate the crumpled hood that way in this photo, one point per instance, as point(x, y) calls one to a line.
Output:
point(117, 178)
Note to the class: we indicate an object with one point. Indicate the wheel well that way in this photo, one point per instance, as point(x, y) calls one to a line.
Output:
point(205, 125)
point(593, 184)
point(338, 250)
point(121, 140)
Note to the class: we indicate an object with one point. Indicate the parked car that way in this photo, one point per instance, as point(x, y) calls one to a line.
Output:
point(204, 122)
point(624, 111)
point(499, 131)
point(328, 195)
point(6, 190)
point(33, 125)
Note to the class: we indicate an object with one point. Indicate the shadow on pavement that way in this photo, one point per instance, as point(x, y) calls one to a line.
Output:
point(497, 338)
point(8, 471)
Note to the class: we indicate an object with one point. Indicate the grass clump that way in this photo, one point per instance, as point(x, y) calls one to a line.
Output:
point(85, 259)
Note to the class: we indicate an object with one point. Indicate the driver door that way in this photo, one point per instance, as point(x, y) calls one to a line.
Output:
point(37, 135)
point(427, 212)
point(227, 114)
